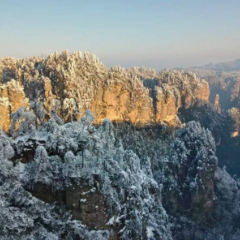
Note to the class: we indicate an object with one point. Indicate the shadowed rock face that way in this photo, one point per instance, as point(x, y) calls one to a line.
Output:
point(82, 82)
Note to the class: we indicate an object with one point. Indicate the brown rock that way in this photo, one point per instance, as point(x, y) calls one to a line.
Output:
point(11, 98)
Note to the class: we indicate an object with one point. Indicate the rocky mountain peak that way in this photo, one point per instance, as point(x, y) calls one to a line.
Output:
point(80, 81)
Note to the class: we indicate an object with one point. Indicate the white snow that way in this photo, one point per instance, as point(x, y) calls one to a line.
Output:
point(150, 232)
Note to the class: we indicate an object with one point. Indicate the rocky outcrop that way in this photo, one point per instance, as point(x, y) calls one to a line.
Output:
point(79, 82)
point(176, 90)
point(235, 114)
point(226, 84)
point(11, 98)
point(217, 106)
point(171, 90)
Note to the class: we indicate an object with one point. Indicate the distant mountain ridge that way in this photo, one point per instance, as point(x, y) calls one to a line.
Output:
point(222, 66)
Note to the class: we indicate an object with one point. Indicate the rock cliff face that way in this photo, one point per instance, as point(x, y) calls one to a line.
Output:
point(225, 84)
point(176, 90)
point(75, 83)
point(11, 98)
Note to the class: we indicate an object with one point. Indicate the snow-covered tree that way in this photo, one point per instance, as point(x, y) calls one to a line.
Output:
point(189, 174)
point(39, 111)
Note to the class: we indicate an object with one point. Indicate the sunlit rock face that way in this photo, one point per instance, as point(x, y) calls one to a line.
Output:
point(235, 114)
point(176, 89)
point(11, 98)
point(79, 81)
point(217, 106)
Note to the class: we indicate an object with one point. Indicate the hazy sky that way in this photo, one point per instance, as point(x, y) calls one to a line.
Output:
point(152, 33)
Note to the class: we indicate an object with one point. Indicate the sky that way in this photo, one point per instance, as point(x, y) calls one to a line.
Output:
point(152, 33)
